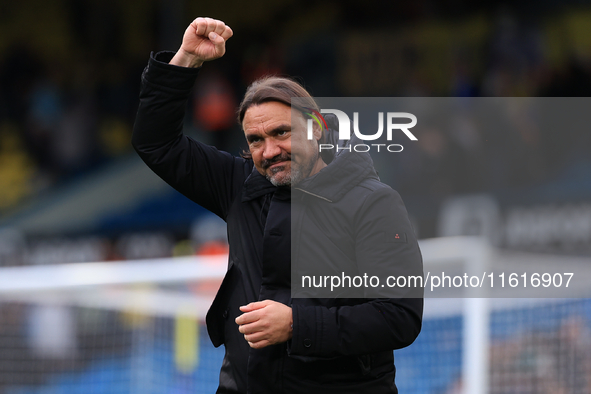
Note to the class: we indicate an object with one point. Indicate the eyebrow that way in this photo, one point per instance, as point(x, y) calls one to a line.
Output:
point(282, 127)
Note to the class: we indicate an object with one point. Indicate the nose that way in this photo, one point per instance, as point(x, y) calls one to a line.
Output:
point(271, 149)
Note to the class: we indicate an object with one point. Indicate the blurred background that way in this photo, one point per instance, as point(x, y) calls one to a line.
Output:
point(72, 189)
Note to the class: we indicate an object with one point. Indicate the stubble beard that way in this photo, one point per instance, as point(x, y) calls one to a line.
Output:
point(296, 173)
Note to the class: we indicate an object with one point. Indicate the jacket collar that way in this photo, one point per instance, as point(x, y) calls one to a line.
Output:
point(256, 185)
point(335, 180)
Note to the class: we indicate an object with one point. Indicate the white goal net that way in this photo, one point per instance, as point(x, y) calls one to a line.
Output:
point(138, 327)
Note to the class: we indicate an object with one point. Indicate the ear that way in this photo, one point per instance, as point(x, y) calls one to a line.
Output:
point(317, 131)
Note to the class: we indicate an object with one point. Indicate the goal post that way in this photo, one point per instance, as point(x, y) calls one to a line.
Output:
point(474, 255)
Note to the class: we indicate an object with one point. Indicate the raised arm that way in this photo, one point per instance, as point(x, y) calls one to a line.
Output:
point(209, 177)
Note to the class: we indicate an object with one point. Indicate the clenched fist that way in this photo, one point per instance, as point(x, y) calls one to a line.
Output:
point(205, 39)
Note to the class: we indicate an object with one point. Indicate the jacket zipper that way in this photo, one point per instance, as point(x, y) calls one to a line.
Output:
point(312, 194)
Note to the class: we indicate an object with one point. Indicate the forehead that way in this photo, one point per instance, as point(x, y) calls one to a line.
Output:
point(269, 114)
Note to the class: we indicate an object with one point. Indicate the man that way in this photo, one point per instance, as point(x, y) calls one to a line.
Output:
point(275, 343)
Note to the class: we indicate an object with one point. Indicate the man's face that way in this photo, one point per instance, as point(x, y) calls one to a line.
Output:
point(268, 128)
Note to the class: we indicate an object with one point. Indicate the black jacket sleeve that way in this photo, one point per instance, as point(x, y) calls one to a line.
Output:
point(385, 245)
point(209, 177)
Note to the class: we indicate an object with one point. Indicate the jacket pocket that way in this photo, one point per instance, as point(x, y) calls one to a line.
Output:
point(217, 313)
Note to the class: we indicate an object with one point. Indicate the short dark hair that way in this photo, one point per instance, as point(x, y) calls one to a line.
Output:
point(278, 89)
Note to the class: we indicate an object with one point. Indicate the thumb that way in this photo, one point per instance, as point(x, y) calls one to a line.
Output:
point(218, 41)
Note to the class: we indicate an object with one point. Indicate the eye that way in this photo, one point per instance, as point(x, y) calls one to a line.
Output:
point(253, 139)
point(282, 133)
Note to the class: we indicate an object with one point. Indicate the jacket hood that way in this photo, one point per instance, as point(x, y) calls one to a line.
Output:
point(345, 169)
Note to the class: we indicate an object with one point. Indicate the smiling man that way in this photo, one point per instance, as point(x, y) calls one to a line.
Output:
point(342, 216)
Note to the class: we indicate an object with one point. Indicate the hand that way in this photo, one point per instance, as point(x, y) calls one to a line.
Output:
point(265, 323)
point(205, 39)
